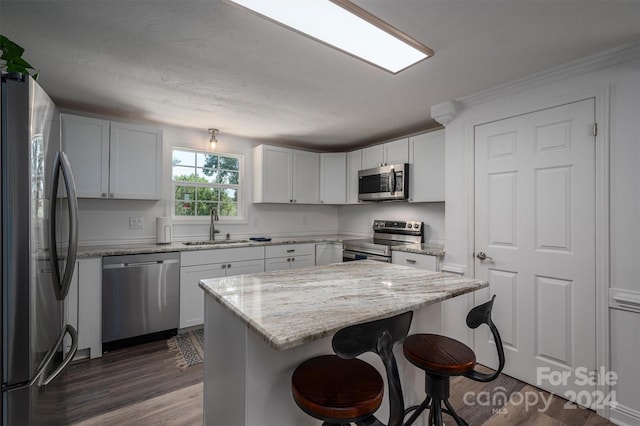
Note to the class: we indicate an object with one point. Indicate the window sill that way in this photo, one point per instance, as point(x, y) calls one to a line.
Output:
point(206, 221)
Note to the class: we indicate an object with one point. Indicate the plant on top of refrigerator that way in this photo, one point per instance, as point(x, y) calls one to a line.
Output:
point(12, 57)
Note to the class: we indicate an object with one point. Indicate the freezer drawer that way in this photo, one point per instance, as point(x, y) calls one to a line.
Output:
point(140, 295)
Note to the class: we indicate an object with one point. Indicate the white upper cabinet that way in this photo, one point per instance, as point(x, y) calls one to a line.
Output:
point(354, 165)
point(333, 178)
point(283, 175)
point(86, 143)
point(372, 156)
point(273, 174)
point(306, 177)
point(113, 160)
point(394, 152)
point(135, 162)
point(426, 172)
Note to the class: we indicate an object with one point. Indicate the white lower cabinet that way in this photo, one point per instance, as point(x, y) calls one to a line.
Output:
point(420, 261)
point(327, 253)
point(203, 264)
point(289, 256)
point(83, 307)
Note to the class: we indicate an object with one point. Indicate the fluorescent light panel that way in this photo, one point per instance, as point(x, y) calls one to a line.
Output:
point(354, 31)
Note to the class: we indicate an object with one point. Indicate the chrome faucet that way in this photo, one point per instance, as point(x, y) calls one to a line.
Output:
point(212, 228)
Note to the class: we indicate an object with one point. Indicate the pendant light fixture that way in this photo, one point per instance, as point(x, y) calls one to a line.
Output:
point(213, 141)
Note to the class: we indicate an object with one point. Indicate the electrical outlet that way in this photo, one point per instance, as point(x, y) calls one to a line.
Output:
point(136, 223)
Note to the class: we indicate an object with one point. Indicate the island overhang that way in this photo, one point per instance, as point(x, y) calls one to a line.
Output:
point(289, 308)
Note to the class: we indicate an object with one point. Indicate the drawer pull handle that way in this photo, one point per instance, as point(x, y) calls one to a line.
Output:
point(291, 250)
point(411, 261)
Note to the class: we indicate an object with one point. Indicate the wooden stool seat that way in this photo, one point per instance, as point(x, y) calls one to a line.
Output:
point(341, 389)
point(441, 357)
point(439, 354)
point(332, 388)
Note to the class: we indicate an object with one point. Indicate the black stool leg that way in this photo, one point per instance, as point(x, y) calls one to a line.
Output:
point(436, 409)
point(452, 413)
point(418, 410)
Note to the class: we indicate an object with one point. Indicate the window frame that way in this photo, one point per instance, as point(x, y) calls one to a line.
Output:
point(242, 207)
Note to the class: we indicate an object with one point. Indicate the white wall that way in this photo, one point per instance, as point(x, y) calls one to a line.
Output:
point(358, 219)
point(615, 75)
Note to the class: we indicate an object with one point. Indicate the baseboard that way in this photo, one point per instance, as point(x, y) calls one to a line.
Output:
point(623, 415)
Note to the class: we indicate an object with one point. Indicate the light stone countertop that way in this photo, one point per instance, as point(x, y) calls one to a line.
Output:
point(138, 248)
point(292, 307)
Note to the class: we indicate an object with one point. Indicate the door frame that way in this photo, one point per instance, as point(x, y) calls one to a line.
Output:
point(601, 95)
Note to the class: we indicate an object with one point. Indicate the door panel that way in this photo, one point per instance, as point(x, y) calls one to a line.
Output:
point(535, 221)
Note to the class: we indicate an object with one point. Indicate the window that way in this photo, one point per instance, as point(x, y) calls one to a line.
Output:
point(205, 180)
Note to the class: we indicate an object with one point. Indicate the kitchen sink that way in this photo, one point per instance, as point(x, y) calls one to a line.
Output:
point(211, 243)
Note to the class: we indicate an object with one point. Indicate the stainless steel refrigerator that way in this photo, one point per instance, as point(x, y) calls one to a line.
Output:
point(39, 245)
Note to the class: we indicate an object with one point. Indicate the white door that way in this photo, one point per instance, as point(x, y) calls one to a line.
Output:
point(535, 222)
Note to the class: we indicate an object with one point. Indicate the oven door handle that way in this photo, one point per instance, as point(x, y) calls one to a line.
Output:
point(351, 255)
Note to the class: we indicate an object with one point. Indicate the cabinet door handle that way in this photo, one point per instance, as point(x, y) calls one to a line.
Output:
point(224, 266)
point(228, 265)
point(104, 195)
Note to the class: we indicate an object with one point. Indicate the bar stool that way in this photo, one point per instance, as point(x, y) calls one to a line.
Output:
point(442, 357)
point(341, 389)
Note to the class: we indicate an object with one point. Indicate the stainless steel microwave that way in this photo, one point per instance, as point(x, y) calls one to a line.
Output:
point(384, 183)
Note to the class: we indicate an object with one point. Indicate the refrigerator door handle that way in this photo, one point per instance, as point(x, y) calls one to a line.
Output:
point(72, 352)
point(61, 162)
point(36, 380)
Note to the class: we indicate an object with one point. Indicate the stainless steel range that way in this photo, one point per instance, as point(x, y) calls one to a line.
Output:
point(386, 234)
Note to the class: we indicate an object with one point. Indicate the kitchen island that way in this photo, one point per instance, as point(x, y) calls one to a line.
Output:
point(259, 327)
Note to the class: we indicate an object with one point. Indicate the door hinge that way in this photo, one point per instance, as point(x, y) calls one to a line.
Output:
point(595, 129)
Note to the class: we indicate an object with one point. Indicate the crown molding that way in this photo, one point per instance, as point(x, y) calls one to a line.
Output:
point(444, 112)
point(618, 55)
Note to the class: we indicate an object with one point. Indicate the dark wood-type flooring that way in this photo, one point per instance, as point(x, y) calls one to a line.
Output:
point(141, 385)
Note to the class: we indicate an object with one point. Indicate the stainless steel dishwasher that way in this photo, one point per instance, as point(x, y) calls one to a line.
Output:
point(140, 298)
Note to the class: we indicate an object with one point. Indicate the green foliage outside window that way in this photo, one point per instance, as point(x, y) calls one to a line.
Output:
point(203, 181)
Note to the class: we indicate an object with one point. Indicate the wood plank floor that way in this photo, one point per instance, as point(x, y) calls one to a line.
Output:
point(142, 386)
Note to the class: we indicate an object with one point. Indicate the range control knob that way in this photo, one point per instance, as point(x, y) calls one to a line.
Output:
point(409, 225)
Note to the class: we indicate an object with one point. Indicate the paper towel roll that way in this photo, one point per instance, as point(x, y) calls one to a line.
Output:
point(164, 230)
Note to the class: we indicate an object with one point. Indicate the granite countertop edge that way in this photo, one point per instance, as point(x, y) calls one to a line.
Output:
point(85, 252)
point(289, 341)
point(284, 344)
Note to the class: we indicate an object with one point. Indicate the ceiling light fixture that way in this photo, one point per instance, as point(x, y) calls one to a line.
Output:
point(346, 27)
point(213, 141)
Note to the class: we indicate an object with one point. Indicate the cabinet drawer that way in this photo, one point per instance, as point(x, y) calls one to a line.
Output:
point(421, 261)
point(204, 257)
point(289, 250)
point(290, 262)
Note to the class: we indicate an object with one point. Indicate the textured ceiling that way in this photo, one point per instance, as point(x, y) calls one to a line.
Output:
point(204, 64)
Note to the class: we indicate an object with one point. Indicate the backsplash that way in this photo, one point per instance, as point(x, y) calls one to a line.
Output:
point(359, 218)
